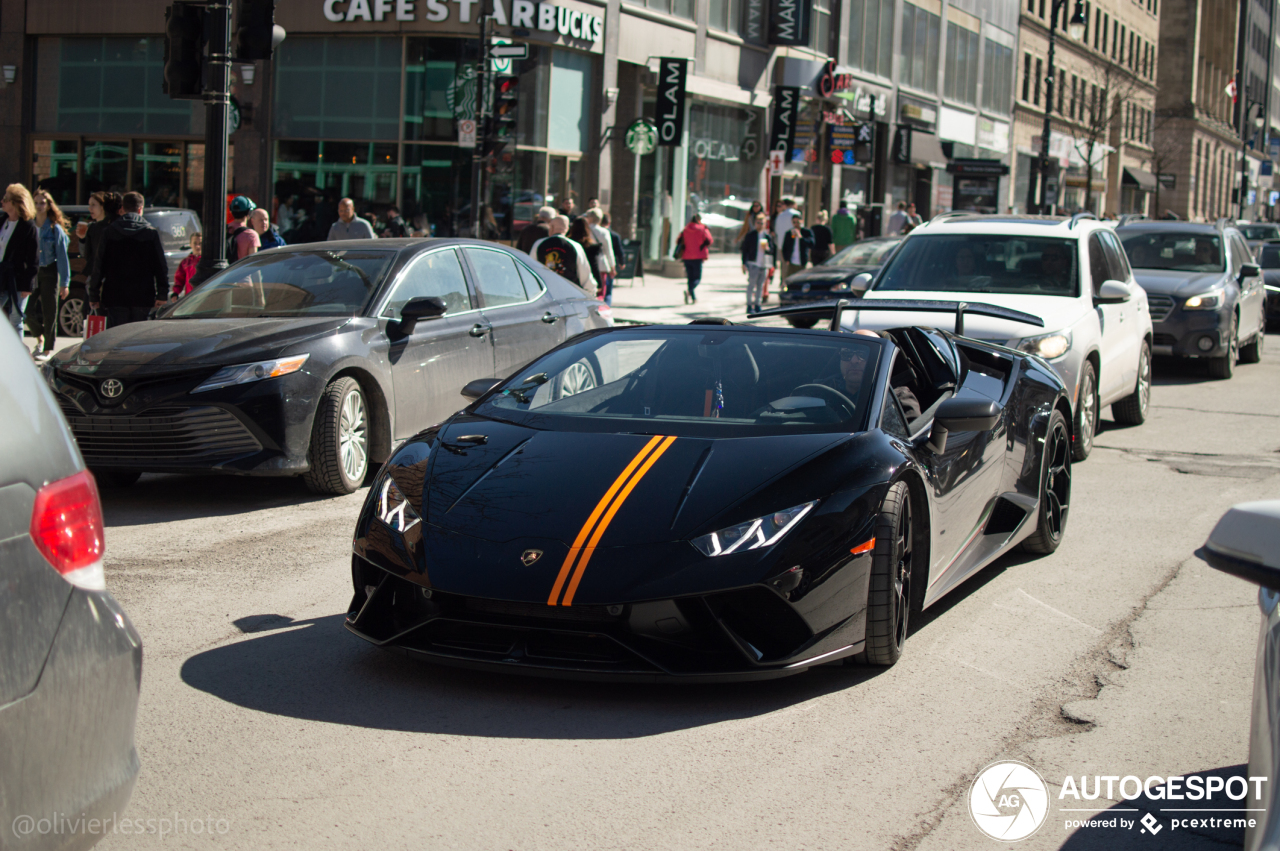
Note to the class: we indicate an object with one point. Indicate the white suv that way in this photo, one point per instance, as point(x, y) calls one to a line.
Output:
point(1072, 273)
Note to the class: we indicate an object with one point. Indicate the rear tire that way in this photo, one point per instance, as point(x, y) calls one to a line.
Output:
point(1224, 367)
point(1252, 353)
point(1055, 489)
point(1086, 413)
point(890, 595)
point(339, 451)
point(1132, 409)
point(116, 479)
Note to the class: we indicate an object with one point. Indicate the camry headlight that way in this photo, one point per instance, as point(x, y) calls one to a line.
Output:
point(249, 372)
point(1205, 301)
point(754, 534)
point(1047, 346)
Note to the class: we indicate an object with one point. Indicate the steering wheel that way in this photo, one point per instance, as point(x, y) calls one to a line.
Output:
point(834, 398)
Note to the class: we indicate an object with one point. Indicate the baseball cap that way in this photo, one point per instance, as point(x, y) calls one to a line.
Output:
point(242, 206)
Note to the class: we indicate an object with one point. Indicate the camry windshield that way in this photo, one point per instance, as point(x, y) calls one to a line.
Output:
point(871, 252)
point(1180, 252)
point(701, 381)
point(294, 283)
point(984, 263)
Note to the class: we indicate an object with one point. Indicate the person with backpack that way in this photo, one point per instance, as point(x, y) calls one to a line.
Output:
point(130, 274)
point(242, 240)
point(564, 256)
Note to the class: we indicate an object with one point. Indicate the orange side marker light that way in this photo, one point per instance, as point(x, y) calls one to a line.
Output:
point(864, 548)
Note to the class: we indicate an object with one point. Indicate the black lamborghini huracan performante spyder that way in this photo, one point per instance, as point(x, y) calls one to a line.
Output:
point(711, 501)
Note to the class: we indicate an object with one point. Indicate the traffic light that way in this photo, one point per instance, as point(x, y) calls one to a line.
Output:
point(257, 33)
point(184, 50)
point(501, 127)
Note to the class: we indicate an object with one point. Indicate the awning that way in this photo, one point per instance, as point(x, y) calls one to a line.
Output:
point(1144, 180)
point(926, 150)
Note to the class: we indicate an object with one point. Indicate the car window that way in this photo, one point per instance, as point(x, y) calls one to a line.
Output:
point(892, 420)
point(437, 274)
point(1239, 251)
point(175, 227)
point(1118, 266)
point(982, 263)
point(533, 286)
point(496, 277)
point(1174, 250)
point(1099, 264)
point(871, 252)
point(1261, 231)
point(1269, 257)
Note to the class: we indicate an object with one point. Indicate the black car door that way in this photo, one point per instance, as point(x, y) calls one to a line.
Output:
point(430, 365)
point(523, 321)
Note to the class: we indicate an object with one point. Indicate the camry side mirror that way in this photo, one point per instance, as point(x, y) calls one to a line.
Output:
point(416, 309)
point(962, 415)
point(1112, 292)
point(1249, 270)
point(862, 282)
point(479, 387)
point(1246, 543)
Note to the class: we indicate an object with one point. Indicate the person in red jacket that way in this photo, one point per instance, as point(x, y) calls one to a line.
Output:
point(187, 269)
point(696, 239)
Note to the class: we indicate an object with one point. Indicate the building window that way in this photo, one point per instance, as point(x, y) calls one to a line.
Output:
point(679, 8)
point(819, 26)
point(1041, 8)
point(871, 36)
point(725, 14)
point(338, 88)
point(1026, 77)
point(920, 34)
point(1039, 77)
point(1062, 89)
point(997, 78)
point(1097, 27)
point(1071, 105)
point(961, 77)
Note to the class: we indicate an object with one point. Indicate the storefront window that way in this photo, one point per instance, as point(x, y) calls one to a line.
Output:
point(440, 87)
point(962, 64)
point(338, 88)
point(871, 36)
point(106, 167)
point(724, 168)
point(920, 34)
point(997, 77)
point(55, 168)
point(157, 172)
point(435, 184)
point(311, 177)
point(570, 102)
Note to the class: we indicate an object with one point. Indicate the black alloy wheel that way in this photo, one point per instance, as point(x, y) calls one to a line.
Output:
point(1132, 409)
point(1086, 413)
point(890, 595)
point(1224, 367)
point(1055, 488)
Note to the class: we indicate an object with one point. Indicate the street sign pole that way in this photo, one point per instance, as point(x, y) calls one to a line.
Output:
point(217, 98)
point(482, 111)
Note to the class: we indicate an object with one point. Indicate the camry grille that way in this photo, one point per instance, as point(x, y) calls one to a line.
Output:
point(1161, 306)
point(170, 435)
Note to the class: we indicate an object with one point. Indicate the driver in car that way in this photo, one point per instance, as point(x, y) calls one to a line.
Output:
point(853, 365)
point(1206, 253)
point(1055, 264)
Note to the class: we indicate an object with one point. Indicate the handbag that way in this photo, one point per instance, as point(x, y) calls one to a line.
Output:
point(94, 324)
point(678, 253)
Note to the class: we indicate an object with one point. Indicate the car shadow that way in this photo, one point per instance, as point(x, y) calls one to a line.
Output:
point(166, 497)
point(315, 670)
point(1172, 372)
point(962, 591)
point(1140, 834)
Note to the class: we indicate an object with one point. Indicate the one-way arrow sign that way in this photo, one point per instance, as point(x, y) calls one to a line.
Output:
point(508, 51)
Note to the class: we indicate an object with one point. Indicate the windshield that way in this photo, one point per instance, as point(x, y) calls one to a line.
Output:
point(1180, 252)
point(716, 383)
point(983, 263)
point(312, 283)
point(1252, 232)
point(870, 252)
point(1269, 257)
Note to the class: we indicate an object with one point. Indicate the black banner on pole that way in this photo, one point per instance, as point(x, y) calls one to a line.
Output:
point(670, 108)
point(789, 23)
point(901, 152)
point(786, 108)
point(754, 18)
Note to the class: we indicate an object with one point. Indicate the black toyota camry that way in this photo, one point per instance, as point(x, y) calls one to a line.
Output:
point(311, 360)
point(723, 502)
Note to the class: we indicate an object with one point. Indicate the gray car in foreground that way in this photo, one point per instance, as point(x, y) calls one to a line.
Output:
point(70, 660)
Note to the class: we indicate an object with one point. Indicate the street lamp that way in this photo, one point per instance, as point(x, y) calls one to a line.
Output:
point(1253, 117)
point(1075, 29)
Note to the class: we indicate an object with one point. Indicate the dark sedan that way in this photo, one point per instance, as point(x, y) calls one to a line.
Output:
point(1268, 255)
point(1259, 232)
point(312, 360)
point(837, 274)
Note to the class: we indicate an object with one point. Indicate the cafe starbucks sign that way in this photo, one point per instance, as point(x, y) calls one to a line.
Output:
point(550, 18)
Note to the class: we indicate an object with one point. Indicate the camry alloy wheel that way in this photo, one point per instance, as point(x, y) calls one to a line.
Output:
point(902, 574)
point(71, 318)
point(353, 441)
point(576, 379)
point(1057, 486)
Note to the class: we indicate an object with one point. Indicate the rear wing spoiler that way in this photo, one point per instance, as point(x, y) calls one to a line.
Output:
point(833, 309)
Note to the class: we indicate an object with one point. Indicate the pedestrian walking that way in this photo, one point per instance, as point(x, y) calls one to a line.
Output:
point(608, 259)
point(580, 232)
point(695, 240)
point(53, 278)
point(130, 276)
point(758, 253)
point(19, 252)
point(564, 256)
point(104, 208)
point(349, 225)
point(898, 220)
point(844, 229)
point(268, 234)
point(749, 222)
point(242, 239)
point(913, 219)
point(822, 239)
point(616, 242)
point(795, 249)
point(782, 221)
point(187, 268)
point(396, 227)
point(536, 230)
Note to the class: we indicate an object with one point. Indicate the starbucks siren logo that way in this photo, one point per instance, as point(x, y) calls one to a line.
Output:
point(461, 94)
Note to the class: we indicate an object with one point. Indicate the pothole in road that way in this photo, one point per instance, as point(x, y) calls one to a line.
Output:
point(1254, 467)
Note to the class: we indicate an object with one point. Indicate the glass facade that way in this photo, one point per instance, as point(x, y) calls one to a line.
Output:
point(997, 78)
point(962, 64)
point(920, 32)
point(725, 159)
point(338, 88)
point(871, 36)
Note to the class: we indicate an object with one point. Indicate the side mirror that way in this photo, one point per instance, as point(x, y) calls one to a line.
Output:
point(479, 387)
point(1246, 543)
point(861, 283)
point(1249, 270)
point(1112, 292)
point(416, 309)
point(962, 415)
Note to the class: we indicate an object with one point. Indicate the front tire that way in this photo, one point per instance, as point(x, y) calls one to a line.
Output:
point(1086, 413)
point(1055, 489)
point(1224, 367)
point(1132, 409)
point(339, 451)
point(890, 594)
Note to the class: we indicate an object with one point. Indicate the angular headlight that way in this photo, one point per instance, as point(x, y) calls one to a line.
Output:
point(1211, 300)
point(1047, 346)
point(394, 510)
point(246, 373)
point(754, 534)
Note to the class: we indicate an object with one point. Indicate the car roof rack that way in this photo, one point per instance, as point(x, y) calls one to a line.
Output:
point(1083, 214)
point(835, 308)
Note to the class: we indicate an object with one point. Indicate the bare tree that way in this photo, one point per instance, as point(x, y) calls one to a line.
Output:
point(1164, 150)
point(1110, 88)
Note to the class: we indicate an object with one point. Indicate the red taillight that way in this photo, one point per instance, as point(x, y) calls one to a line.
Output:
point(66, 526)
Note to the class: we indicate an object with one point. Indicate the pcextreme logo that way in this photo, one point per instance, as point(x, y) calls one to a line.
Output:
point(1008, 801)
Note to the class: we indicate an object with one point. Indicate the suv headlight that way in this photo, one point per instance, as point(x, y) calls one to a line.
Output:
point(1047, 346)
point(1211, 300)
point(249, 372)
point(754, 534)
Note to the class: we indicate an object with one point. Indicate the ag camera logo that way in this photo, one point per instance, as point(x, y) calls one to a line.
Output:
point(1008, 801)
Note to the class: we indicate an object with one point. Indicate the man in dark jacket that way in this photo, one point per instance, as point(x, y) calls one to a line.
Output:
point(130, 275)
point(538, 229)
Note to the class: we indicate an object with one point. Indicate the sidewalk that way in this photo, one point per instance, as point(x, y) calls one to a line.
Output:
point(660, 300)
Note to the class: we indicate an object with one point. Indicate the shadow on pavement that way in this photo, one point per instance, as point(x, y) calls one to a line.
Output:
point(317, 671)
point(1166, 834)
point(166, 497)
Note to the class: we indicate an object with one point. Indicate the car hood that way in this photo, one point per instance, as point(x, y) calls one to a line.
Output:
point(828, 274)
point(1168, 282)
point(525, 484)
point(1056, 311)
point(176, 344)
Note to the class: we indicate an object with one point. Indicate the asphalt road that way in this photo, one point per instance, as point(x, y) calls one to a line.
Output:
point(266, 725)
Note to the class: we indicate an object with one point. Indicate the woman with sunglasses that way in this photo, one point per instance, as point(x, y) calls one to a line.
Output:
point(53, 277)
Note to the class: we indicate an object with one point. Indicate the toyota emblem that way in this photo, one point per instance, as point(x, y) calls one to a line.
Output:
point(530, 556)
point(111, 388)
